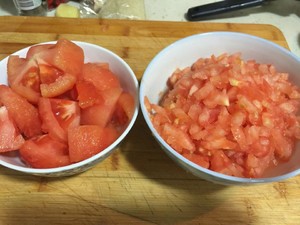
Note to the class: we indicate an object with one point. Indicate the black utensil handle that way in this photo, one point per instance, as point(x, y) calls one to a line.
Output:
point(220, 7)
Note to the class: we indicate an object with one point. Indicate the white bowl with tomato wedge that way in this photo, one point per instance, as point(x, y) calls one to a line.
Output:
point(64, 106)
point(225, 107)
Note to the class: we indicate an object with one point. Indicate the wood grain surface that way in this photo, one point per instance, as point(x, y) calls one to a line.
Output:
point(138, 184)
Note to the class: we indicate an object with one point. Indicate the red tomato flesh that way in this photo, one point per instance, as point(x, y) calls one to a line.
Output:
point(24, 114)
point(88, 140)
point(45, 152)
point(88, 94)
point(100, 76)
point(58, 115)
point(101, 114)
point(61, 85)
point(64, 55)
point(10, 137)
point(232, 116)
point(23, 77)
point(125, 108)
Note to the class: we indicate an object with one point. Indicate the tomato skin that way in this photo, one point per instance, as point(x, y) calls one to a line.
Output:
point(101, 77)
point(23, 77)
point(64, 55)
point(87, 140)
point(33, 51)
point(68, 57)
point(10, 137)
point(44, 152)
point(24, 114)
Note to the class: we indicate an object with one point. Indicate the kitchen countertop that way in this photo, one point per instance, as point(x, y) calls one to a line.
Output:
point(283, 14)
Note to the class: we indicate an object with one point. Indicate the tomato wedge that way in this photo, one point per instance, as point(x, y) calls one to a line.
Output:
point(23, 77)
point(24, 114)
point(10, 137)
point(64, 55)
point(125, 107)
point(100, 76)
point(101, 114)
point(45, 152)
point(87, 140)
point(88, 94)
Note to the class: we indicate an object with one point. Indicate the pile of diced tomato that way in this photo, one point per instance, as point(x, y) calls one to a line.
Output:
point(232, 116)
point(57, 110)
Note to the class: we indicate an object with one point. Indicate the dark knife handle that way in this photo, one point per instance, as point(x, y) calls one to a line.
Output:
point(220, 7)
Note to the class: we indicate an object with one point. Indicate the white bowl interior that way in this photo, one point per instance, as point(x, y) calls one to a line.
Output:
point(93, 53)
point(186, 51)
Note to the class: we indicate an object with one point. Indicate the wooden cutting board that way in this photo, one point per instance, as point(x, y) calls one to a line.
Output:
point(138, 184)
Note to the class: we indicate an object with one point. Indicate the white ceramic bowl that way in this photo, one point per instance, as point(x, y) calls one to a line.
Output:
point(93, 53)
point(186, 51)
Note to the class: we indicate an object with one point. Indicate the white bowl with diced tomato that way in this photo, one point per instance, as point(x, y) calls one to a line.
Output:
point(64, 106)
point(225, 107)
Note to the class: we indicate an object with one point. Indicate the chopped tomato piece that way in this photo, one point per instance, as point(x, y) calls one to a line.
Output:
point(44, 152)
point(219, 161)
point(24, 114)
point(23, 77)
point(58, 115)
point(10, 137)
point(88, 140)
point(62, 84)
point(201, 160)
point(100, 76)
point(88, 94)
point(177, 138)
point(101, 114)
point(64, 55)
point(124, 110)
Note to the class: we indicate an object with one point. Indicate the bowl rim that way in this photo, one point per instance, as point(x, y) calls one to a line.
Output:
point(218, 177)
point(99, 155)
